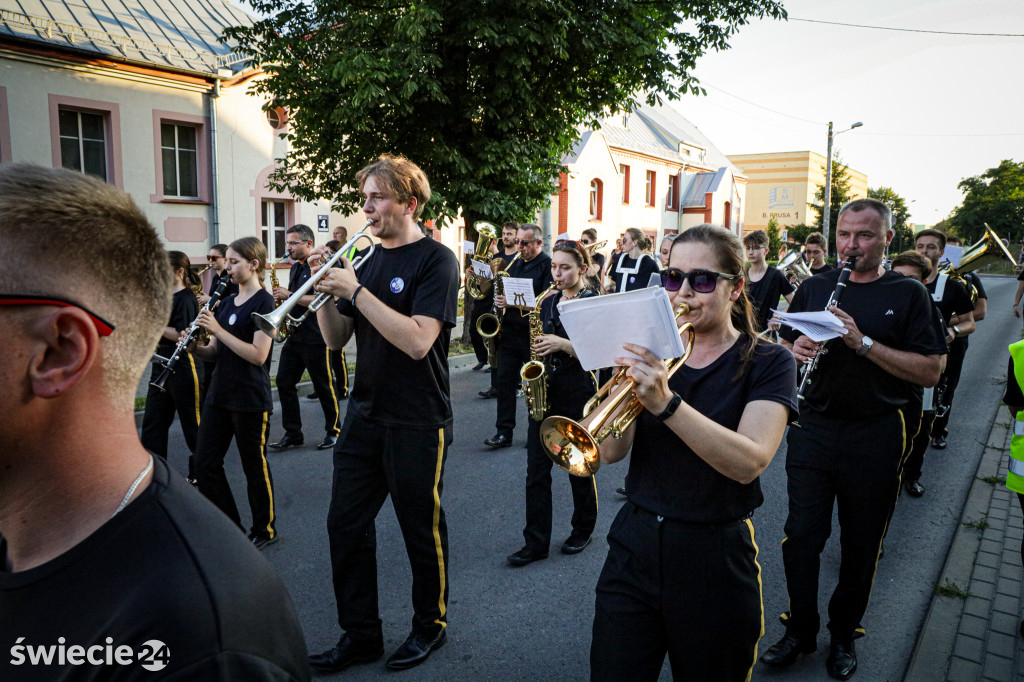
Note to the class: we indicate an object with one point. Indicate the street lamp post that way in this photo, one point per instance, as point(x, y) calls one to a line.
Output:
point(826, 218)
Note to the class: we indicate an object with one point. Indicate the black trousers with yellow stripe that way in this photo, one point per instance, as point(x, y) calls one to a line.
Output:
point(372, 461)
point(691, 591)
point(339, 365)
point(182, 397)
point(855, 464)
point(250, 431)
point(314, 358)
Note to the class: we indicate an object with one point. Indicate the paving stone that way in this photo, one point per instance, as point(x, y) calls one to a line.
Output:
point(970, 648)
point(1006, 604)
point(972, 626)
point(978, 606)
point(998, 668)
point(1008, 587)
point(1000, 645)
point(985, 574)
point(961, 670)
point(990, 546)
point(1005, 623)
point(980, 588)
point(989, 559)
point(1011, 572)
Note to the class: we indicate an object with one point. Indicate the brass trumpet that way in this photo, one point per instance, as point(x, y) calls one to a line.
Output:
point(280, 323)
point(574, 445)
point(596, 246)
point(986, 251)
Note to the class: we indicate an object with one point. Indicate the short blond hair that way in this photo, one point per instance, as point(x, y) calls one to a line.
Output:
point(110, 260)
point(400, 178)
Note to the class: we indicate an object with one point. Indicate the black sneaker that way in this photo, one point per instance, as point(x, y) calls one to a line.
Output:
point(526, 556)
point(576, 543)
point(289, 441)
point(259, 542)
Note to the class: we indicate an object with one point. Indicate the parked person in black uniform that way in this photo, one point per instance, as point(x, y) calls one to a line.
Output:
point(856, 422)
point(569, 387)
point(633, 269)
point(914, 265)
point(402, 309)
point(509, 249)
point(814, 250)
point(958, 349)
point(764, 284)
point(955, 303)
point(304, 350)
point(514, 346)
point(182, 390)
point(682, 575)
point(102, 546)
point(238, 402)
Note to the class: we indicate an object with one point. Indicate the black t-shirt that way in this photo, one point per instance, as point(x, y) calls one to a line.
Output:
point(515, 323)
point(184, 311)
point(764, 294)
point(390, 388)
point(170, 567)
point(237, 384)
point(667, 478)
point(230, 291)
point(973, 278)
point(954, 299)
point(631, 274)
point(824, 268)
point(893, 310)
point(308, 333)
point(598, 259)
point(551, 319)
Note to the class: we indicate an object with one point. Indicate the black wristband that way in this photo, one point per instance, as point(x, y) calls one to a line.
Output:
point(671, 408)
point(356, 293)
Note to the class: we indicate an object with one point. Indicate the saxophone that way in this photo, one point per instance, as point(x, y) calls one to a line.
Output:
point(489, 324)
point(197, 289)
point(533, 373)
point(274, 282)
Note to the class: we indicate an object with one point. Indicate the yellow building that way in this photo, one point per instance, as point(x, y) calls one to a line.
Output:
point(783, 184)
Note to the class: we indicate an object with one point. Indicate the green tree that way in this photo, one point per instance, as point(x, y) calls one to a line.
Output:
point(841, 193)
point(995, 197)
point(774, 240)
point(487, 97)
point(797, 234)
point(904, 232)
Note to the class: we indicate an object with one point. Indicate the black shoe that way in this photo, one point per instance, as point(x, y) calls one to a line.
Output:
point(327, 443)
point(489, 393)
point(939, 442)
point(622, 491)
point(575, 544)
point(416, 649)
point(526, 556)
point(489, 370)
point(346, 653)
point(498, 440)
point(193, 481)
point(915, 489)
point(785, 652)
point(479, 366)
point(313, 396)
point(259, 541)
point(842, 660)
point(289, 441)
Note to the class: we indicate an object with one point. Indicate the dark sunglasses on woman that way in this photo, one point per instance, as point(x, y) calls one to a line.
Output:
point(701, 281)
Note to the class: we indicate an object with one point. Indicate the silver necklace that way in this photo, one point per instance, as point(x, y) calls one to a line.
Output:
point(131, 491)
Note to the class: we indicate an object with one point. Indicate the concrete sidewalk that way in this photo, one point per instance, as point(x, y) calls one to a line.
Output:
point(977, 637)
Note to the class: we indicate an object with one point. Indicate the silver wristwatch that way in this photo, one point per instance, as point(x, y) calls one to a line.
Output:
point(866, 344)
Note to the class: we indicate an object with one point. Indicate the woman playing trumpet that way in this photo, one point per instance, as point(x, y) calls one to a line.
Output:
point(682, 575)
point(568, 388)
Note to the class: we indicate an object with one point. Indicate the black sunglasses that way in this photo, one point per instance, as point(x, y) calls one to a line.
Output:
point(701, 281)
point(103, 328)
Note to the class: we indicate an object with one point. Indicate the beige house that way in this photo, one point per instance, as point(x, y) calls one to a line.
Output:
point(783, 184)
point(650, 169)
point(141, 94)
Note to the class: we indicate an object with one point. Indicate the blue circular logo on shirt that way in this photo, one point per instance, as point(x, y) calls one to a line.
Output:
point(231, 320)
point(397, 284)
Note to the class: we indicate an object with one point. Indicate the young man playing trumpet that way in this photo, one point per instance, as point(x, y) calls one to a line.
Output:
point(401, 307)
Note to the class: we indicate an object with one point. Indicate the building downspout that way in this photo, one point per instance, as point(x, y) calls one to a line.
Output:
point(215, 196)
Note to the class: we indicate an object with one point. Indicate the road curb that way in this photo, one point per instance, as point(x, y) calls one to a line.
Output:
point(930, 659)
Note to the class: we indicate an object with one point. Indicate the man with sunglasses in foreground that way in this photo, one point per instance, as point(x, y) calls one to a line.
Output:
point(111, 565)
point(859, 414)
point(514, 344)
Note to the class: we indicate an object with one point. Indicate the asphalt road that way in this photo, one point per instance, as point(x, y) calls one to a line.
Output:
point(534, 623)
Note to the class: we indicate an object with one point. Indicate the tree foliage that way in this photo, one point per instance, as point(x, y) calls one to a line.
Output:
point(841, 193)
point(486, 96)
point(774, 240)
point(995, 197)
point(797, 234)
point(904, 232)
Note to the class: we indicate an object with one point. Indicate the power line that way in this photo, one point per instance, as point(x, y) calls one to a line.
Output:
point(909, 30)
point(755, 104)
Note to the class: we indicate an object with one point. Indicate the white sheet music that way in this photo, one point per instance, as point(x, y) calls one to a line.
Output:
point(468, 247)
point(519, 291)
point(482, 269)
point(818, 326)
point(953, 254)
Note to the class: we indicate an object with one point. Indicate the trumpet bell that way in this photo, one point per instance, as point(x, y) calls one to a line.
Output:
point(488, 325)
point(275, 324)
point(570, 445)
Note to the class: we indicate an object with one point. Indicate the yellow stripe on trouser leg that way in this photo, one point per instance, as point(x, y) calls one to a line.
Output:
point(437, 530)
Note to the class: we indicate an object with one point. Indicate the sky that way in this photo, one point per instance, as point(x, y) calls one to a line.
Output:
point(935, 108)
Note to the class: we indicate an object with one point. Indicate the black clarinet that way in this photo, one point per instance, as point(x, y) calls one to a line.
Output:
point(833, 300)
point(193, 329)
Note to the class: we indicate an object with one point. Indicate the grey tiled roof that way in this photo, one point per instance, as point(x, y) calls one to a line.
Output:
point(176, 34)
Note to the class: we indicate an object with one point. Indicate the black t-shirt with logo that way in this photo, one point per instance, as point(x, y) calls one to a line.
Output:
point(667, 478)
point(515, 324)
point(631, 274)
point(307, 333)
point(893, 310)
point(765, 293)
point(170, 567)
point(237, 384)
point(184, 311)
point(390, 388)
